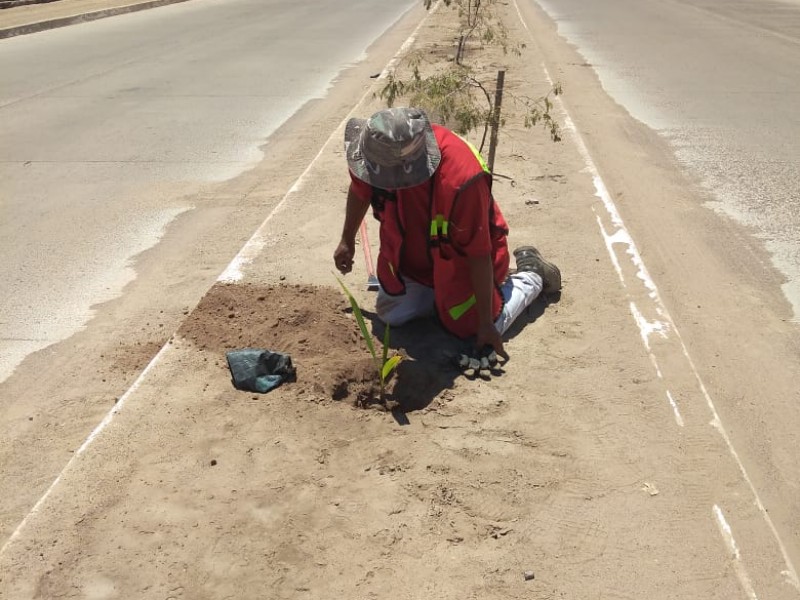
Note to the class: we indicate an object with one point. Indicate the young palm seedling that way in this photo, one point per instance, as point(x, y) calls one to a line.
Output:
point(384, 365)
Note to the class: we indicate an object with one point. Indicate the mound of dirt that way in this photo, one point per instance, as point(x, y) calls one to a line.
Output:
point(314, 325)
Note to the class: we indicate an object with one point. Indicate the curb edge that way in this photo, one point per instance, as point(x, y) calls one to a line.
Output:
point(82, 18)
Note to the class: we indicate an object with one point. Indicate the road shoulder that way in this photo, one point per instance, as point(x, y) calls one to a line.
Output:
point(31, 18)
point(571, 465)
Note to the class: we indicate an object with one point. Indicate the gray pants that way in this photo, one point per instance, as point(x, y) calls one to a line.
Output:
point(519, 290)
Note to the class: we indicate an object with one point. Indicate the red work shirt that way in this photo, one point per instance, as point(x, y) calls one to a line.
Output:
point(469, 230)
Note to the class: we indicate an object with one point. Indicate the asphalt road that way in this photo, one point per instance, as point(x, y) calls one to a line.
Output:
point(715, 89)
point(110, 129)
point(721, 81)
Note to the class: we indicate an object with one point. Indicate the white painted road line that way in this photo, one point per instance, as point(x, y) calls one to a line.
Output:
point(95, 432)
point(733, 549)
point(678, 417)
point(256, 243)
point(231, 273)
point(622, 236)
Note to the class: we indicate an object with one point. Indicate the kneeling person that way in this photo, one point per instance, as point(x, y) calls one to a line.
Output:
point(443, 244)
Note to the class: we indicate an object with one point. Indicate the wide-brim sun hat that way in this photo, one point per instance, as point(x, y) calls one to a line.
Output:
point(394, 149)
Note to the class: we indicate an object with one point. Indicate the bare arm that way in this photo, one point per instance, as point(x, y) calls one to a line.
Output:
point(481, 273)
point(354, 214)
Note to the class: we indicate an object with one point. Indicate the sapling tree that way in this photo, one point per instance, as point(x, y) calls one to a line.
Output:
point(457, 95)
point(384, 364)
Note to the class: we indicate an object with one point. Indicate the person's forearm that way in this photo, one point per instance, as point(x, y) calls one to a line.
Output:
point(481, 273)
point(354, 214)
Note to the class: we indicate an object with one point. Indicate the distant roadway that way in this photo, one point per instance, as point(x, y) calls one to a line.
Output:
point(108, 129)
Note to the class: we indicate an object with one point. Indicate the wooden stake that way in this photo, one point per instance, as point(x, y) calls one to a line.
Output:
point(498, 102)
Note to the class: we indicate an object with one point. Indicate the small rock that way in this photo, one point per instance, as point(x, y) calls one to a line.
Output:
point(650, 489)
point(528, 575)
point(213, 462)
point(498, 533)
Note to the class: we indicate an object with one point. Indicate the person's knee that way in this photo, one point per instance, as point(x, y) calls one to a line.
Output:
point(393, 315)
point(386, 308)
point(417, 302)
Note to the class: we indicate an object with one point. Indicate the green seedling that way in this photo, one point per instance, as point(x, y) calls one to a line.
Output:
point(385, 364)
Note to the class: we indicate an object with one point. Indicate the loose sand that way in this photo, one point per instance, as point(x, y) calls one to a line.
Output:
point(590, 461)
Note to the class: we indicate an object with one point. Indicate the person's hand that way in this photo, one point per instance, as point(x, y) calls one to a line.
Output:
point(481, 363)
point(343, 256)
point(489, 336)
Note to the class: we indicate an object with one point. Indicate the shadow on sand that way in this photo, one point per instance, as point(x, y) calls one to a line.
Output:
point(431, 356)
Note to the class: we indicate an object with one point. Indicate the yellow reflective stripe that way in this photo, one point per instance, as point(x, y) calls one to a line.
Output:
point(391, 268)
point(477, 154)
point(438, 225)
point(458, 310)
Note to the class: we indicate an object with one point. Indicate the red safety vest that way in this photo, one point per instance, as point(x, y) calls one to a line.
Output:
point(460, 167)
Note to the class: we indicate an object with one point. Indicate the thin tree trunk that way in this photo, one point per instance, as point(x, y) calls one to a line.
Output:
point(498, 101)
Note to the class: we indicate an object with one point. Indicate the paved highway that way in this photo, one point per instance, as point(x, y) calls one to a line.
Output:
point(110, 129)
point(724, 91)
point(714, 87)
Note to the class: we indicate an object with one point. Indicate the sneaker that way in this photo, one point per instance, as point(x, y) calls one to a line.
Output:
point(529, 259)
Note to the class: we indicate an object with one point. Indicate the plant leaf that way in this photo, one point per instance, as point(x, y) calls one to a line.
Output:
point(390, 366)
point(385, 345)
point(361, 323)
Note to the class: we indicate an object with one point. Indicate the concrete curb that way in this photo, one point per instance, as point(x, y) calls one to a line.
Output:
point(82, 18)
point(15, 3)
